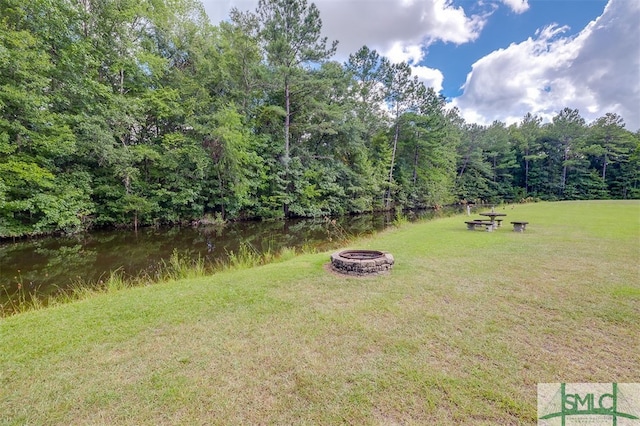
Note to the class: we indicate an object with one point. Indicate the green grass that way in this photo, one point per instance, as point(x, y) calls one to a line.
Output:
point(177, 267)
point(460, 332)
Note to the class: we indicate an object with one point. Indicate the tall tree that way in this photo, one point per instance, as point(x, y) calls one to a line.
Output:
point(475, 174)
point(402, 94)
point(501, 156)
point(567, 129)
point(368, 72)
point(610, 141)
point(241, 59)
point(291, 34)
point(426, 154)
point(525, 137)
point(36, 140)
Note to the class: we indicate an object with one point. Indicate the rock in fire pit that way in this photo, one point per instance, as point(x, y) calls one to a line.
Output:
point(361, 262)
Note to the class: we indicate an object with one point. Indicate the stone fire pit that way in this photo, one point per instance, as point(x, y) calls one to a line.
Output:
point(361, 262)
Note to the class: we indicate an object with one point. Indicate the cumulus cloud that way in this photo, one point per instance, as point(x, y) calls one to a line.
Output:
point(389, 25)
point(429, 76)
point(597, 71)
point(518, 6)
point(401, 30)
point(380, 24)
point(410, 53)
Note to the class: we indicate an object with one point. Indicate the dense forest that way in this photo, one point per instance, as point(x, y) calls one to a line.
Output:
point(141, 112)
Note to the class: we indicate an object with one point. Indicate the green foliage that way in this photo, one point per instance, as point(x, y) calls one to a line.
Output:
point(182, 266)
point(140, 112)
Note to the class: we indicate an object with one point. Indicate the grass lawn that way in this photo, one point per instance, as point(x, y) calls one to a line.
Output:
point(460, 332)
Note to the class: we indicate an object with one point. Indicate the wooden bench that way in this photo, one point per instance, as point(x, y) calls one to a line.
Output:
point(472, 224)
point(519, 226)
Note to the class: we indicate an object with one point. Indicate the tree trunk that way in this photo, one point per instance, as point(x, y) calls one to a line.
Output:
point(287, 120)
point(287, 155)
point(526, 172)
point(464, 166)
point(221, 189)
point(415, 166)
point(563, 182)
point(393, 160)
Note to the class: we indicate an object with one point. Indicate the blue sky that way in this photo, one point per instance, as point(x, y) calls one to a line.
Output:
point(503, 28)
point(498, 59)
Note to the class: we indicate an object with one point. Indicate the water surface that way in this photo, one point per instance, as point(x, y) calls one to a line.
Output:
point(42, 266)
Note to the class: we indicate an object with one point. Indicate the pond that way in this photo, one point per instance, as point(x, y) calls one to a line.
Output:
point(43, 266)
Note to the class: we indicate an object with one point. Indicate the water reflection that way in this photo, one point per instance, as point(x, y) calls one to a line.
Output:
point(45, 265)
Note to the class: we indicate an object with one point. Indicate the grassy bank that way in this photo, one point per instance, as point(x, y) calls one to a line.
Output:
point(460, 332)
point(176, 268)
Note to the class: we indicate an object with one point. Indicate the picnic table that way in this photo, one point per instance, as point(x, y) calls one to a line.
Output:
point(492, 216)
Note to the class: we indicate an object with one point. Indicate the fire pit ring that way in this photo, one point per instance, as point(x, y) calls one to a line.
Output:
point(362, 262)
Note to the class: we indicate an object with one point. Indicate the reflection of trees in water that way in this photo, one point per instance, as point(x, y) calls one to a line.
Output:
point(42, 266)
point(262, 236)
point(64, 259)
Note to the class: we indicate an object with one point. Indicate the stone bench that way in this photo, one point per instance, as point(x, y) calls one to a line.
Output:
point(519, 226)
point(497, 223)
point(472, 224)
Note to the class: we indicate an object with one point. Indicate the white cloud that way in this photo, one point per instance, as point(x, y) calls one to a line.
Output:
point(409, 53)
point(518, 6)
point(380, 24)
point(598, 71)
point(429, 76)
point(387, 25)
point(402, 30)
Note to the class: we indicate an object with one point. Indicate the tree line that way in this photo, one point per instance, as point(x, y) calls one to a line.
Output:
point(140, 112)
